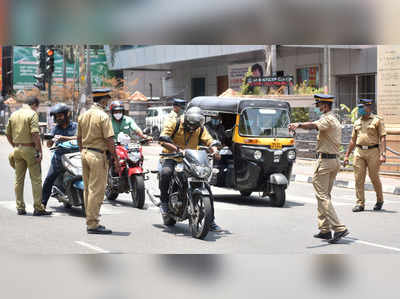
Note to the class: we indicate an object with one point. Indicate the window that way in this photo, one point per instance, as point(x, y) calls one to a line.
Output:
point(310, 75)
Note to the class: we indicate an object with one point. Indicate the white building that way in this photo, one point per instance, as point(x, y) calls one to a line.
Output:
point(192, 70)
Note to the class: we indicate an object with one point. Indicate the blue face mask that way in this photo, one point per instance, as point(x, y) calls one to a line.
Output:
point(214, 122)
point(317, 112)
point(361, 111)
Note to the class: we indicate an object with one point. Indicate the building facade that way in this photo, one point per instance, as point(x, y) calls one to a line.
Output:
point(194, 70)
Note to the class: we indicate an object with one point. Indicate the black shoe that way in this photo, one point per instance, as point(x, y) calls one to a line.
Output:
point(378, 206)
point(215, 227)
point(325, 236)
point(21, 212)
point(358, 209)
point(42, 213)
point(338, 235)
point(164, 208)
point(100, 230)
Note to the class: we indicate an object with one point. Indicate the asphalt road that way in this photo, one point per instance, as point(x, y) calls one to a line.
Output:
point(252, 226)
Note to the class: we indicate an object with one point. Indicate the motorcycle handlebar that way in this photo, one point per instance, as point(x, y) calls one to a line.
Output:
point(173, 155)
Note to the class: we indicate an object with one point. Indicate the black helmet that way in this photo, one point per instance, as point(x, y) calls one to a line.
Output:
point(193, 119)
point(116, 106)
point(59, 108)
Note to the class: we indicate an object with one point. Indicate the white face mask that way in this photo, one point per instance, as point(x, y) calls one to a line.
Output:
point(117, 116)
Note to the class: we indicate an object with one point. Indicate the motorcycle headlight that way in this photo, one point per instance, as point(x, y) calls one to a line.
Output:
point(291, 155)
point(134, 156)
point(257, 155)
point(179, 167)
point(202, 171)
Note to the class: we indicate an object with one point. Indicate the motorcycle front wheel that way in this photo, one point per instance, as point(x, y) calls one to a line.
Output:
point(138, 195)
point(110, 193)
point(201, 220)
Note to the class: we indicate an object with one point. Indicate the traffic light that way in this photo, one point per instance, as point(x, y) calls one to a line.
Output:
point(50, 60)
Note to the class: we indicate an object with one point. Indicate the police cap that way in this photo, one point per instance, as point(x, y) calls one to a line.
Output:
point(366, 101)
point(179, 102)
point(101, 93)
point(323, 98)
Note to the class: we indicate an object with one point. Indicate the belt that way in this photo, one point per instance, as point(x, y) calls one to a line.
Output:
point(24, 144)
point(365, 147)
point(327, 156)
point(94, 149)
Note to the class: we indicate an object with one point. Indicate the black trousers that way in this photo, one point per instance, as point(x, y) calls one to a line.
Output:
point(166, 173)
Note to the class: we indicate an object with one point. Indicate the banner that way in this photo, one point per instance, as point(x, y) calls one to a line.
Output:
point(270, 81)
point(1, 69)
point(26, 60)
point(236, 73)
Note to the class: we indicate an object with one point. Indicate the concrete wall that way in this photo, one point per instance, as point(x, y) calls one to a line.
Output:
point(144, 78)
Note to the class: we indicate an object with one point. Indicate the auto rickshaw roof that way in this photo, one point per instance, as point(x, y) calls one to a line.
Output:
point(235, 105)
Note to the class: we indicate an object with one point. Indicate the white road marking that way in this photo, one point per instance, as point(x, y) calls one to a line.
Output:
point(95, 248)
point(105, 209)
point(372, 244)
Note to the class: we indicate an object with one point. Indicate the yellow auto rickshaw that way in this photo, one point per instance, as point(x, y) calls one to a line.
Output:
point(258, 150)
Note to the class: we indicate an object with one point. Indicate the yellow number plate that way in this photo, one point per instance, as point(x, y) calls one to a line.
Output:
point(276, 145)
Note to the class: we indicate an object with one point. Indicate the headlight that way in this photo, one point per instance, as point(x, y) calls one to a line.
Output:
point(134, 157)
point(257, 155)
point(291, 155)
point(179, 167)
point(202, 171)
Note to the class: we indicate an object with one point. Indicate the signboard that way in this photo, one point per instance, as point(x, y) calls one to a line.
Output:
point(270, 81)
point(236, 73)
point(388, 84)
point(26, 63)
point(1, 68)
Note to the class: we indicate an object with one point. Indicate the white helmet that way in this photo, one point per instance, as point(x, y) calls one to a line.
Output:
point(193, 119)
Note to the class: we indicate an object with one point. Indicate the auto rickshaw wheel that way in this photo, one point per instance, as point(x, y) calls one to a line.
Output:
point(245, 193)
point(278, 198)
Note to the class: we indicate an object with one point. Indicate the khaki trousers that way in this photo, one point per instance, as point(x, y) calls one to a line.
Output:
point(364, 159)
point(94, 173)
point(24, 158)
point(323, 179)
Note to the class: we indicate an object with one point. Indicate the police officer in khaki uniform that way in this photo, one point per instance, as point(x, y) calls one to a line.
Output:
point(95, 137)
point(369, 139)
point(178, 108)
point(179, 134)
point(328, 165)
point(23, 135)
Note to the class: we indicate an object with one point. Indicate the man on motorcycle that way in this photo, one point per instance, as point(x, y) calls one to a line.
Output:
point(186, 132)
point(123, 123)
point(64, 130)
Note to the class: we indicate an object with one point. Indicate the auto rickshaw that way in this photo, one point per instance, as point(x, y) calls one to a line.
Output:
point(258, 152)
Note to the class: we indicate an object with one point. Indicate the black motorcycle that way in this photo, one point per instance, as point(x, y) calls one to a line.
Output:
point(189, 192)
point(68, 187)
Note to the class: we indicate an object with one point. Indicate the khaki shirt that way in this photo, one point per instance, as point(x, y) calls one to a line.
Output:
point(329, 135)
point(184, 140)
point(22, 124)
point(368, 132)
point(94, 127)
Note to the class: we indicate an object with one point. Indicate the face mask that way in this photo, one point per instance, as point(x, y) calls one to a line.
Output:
point(317, 111)
point(117, 116)
point(361, 112)
point(214, 122)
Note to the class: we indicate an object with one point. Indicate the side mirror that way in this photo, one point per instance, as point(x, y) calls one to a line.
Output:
point(48, 136)
point(229, 132)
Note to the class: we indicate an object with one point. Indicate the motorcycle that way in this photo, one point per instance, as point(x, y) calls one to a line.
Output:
point(189, 192)
point(68, 186)
point(131, 177)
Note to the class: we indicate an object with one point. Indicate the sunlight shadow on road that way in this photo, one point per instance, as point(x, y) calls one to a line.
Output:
point(183, 230)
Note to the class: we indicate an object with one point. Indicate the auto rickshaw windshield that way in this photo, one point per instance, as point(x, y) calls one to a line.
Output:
point(264, 122)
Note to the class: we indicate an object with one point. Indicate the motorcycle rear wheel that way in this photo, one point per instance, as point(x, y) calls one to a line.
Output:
point(83, 208)
point(138, 195)
point(201, 220)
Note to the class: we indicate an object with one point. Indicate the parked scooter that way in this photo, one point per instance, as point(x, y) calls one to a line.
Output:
point(131, 177)
point(68, 187)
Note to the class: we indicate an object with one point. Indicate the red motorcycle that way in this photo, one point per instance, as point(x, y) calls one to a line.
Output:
point(131, 177)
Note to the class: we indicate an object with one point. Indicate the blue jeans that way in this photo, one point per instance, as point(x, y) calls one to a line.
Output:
point(54, 171)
